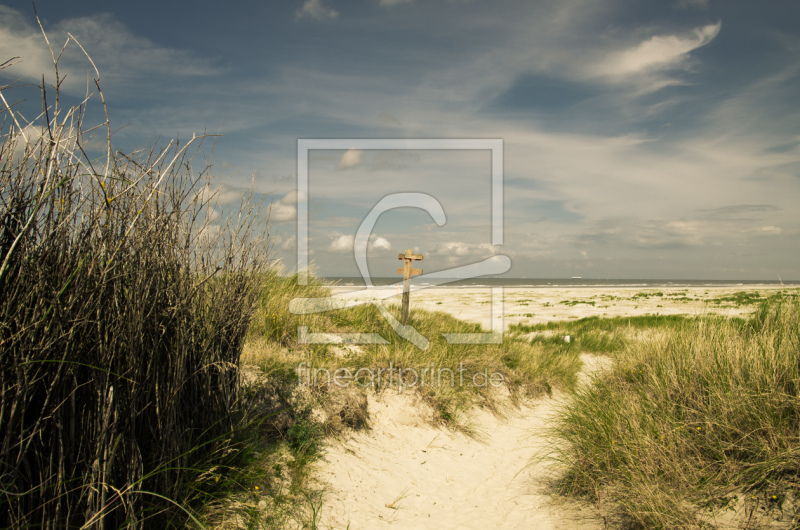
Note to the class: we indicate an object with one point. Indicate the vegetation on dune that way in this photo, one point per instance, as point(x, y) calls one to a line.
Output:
point(698, 419)
point(451, 377)
point(595, 334)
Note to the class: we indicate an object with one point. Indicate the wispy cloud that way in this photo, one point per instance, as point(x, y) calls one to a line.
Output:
point(316, 10)
point(18, 38)
point(696, 4)
point(659, 52)
point(673, 140)
point(120, 54)
point(739, 211)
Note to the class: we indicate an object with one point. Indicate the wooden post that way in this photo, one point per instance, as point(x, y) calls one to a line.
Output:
point(407, 272)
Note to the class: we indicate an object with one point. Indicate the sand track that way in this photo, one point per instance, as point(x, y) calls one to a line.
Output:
point(405, 473)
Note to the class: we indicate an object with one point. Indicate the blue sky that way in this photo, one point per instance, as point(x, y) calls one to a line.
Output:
point(641, 139)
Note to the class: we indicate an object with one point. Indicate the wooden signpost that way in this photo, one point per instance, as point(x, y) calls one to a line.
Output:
point(407, 272)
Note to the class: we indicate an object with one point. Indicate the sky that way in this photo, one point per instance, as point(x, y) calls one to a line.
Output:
point(651, 140)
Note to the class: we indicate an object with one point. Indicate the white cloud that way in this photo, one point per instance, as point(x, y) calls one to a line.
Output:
point(282, 212)
point(380, 243)
point(342, 244)
point(228, 195)
point(351, 158)
point(656, 53)
point(293, 196)
point(222, 194)
point(280, 243)
point(30, 138)
point(284, 209)
point(345, 243)
point(315, 9)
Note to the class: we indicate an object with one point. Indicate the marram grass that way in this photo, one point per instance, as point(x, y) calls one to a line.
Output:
point(692, 420)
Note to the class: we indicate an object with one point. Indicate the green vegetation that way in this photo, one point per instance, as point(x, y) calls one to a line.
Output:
point(594, 334)
point(298, 410)
point(647, 294)
point(605, 324)
point(739, 299)
point(572, 303)
point(697, 418)
point(127, 302)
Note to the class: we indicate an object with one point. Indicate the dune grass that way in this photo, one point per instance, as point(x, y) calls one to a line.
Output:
point(691, 421)
point(125, 299)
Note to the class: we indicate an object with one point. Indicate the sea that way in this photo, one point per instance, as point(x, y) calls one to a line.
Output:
point(344, 281)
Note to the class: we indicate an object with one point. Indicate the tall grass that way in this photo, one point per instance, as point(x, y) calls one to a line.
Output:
point(273, 321)
point(123, 310)
point(694, 420)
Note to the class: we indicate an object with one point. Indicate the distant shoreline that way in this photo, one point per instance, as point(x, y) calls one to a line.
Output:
point(346, 281)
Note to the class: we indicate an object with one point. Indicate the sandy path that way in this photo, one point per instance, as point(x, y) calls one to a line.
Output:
point(408, 474)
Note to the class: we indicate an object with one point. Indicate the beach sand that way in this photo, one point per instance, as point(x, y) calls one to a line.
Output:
point(532, 305)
